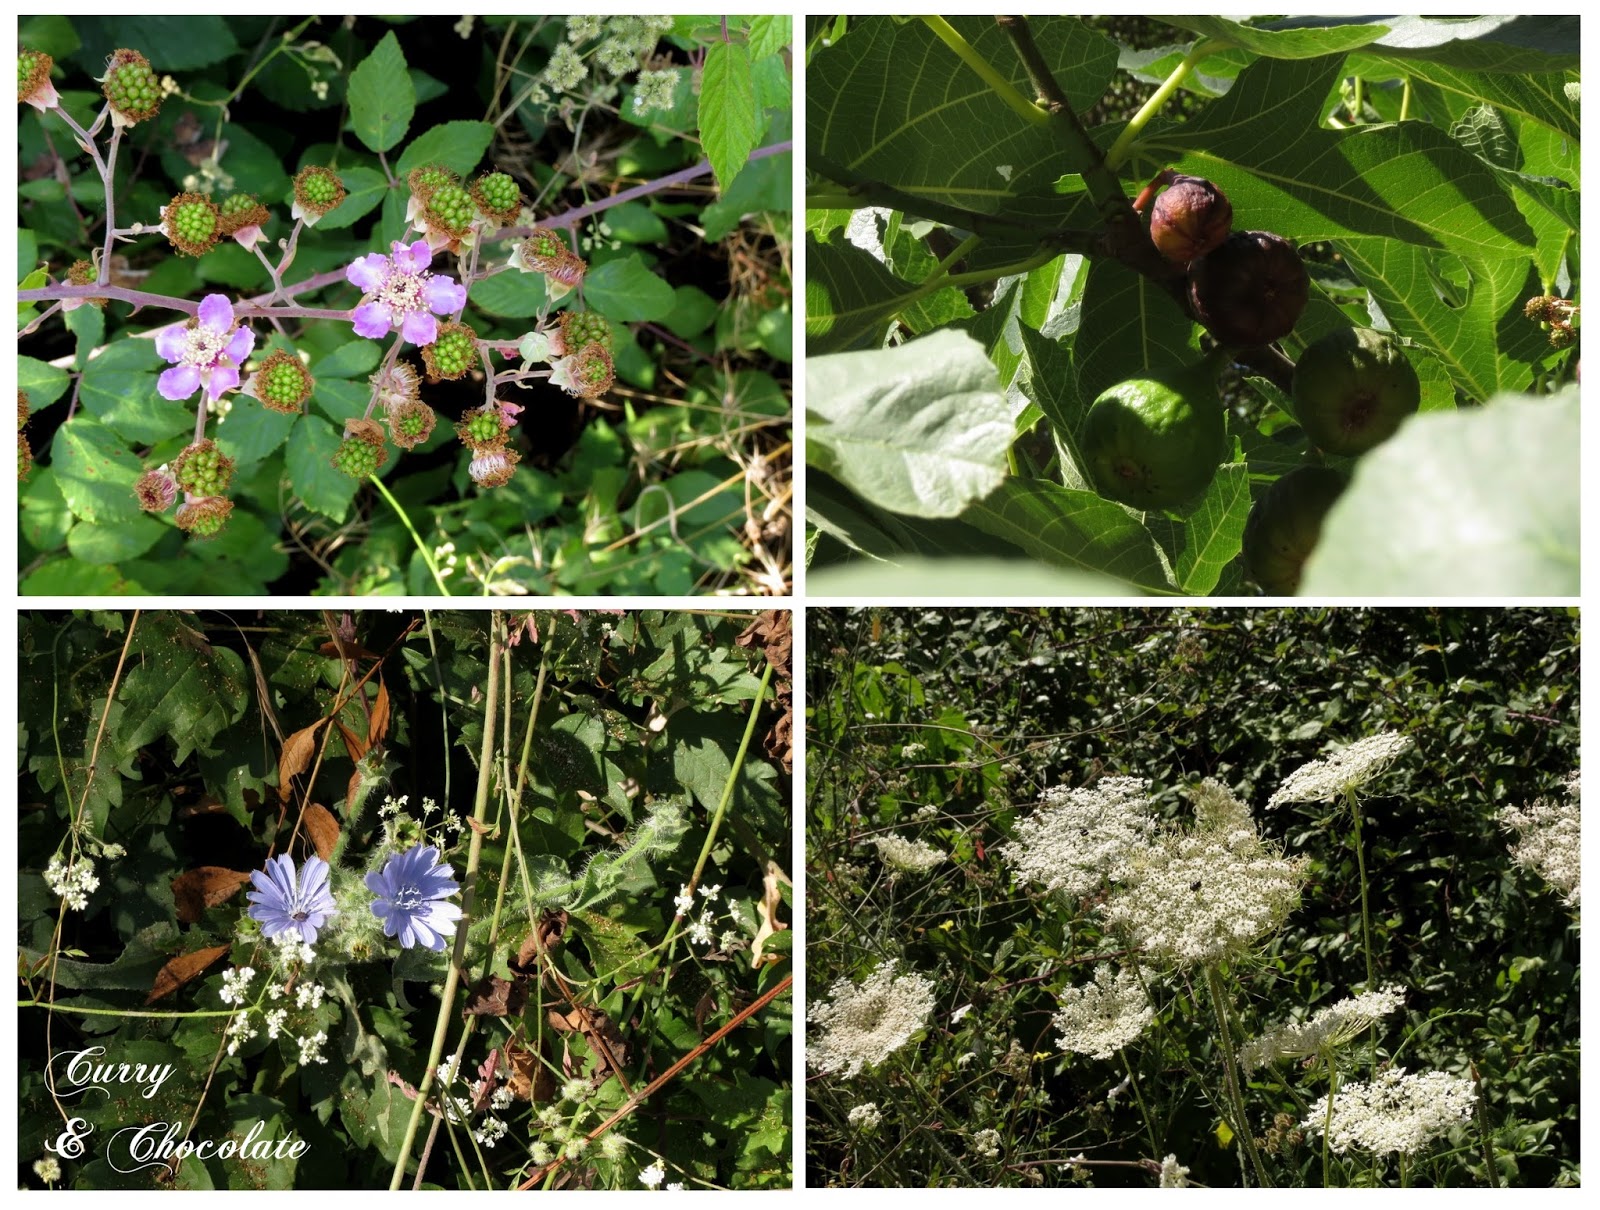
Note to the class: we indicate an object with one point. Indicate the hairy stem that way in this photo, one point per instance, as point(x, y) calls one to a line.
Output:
point(452, 979)
point(1241, 1122)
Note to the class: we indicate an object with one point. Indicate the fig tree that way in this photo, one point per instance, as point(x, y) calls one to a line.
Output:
point(1155, 441)
point(1352, 388)
point(1250, 289)
point(1285, 524)
point(1190, 218)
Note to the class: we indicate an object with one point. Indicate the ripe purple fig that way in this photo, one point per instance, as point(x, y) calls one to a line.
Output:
point(1250, 290)
point(1191, 217)
point(1352, 389)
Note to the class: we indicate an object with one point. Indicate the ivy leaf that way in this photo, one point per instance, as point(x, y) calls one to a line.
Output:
point(382, 98)
point(730, 122)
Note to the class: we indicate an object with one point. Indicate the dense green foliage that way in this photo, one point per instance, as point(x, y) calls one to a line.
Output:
point(944, 726)
point(654, 149)
point(629, 759)
point(972, 231)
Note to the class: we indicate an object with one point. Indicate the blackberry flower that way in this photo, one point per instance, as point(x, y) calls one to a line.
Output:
point(411, 889)
point(284, 900)
point(208, 351)
point(399, 292)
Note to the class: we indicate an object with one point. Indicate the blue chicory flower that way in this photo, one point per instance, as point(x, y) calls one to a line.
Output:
point(412, 888)
point(283, 900)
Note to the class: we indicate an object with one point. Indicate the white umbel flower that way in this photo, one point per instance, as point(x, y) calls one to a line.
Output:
point(866, 1117)
point(986, 1144)
point(862, 1023)
point(1100, 1018)
point(1198, 897)
point(1079, 839)
point(1549, 839)
point(1328, 1029)
point(1173, 1174)
point(1347, 769)
point(910, 856)
point(1395, 1112)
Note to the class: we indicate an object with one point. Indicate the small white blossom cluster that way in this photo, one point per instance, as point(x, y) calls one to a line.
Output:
point(311, 1048)
point(1348, 769)
point(1198, 897)
point(47, 1170)
point(239, 1032)
point(986, 1144)
point(654, 90)
point(925, 812)
point(1100, 1018)
point(491, 1132)
point(910, 856)
point(860, 1024)
point(235, 984)
point(1549, 839)
point(652, 1176)
point(913, 750)
point(72, 883)
point(276, 1020)
point(292, 949)
point(1395, 1112)
point(866, 1117)
point(1173, 1174)
point(1080, 839)
point(1330, 1028)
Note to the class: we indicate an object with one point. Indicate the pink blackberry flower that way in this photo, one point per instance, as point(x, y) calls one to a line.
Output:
point(399, 292)
point(207, 351)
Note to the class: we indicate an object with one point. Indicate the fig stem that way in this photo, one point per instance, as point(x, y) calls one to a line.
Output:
point(1135, 127)
point(986, 70)
point(943, 268)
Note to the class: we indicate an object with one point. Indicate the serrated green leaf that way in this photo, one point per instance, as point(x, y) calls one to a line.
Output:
point(1478, 502)
point(364, 191)
point(729, 121)
point(353, 359)
point(341, 399)
point(382, 99)
point(43, 382)
point(312, 474)
point(769, 34)
point(127, 539)
point(45, 516)
point(128, 403)
point(511, 295)
point(921, 429)
point(626, 291)
point(250, 432)
point(459, 146)
point(94, 470)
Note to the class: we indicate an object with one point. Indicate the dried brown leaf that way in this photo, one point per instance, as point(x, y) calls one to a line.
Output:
point(295, 757)
point(378, 726)
point(323, 829)
point(205, 886)
point(182, 969)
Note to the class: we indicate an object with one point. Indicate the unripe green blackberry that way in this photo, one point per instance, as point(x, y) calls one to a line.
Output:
point(592, 372)
point(33, 79)
point(410, 424)
point(281, 383)
point(240, 210)
point(362, 452)
point(541, 251)
point(192, 224)
point(483, 428)
point(498, 197)
point(131, 88)
point(452, 352)
point(82, 273)
point(450, 209)
point(423, 181)
point(204, 517)
point(202, 469)
point(317, 190)
point(579, 328)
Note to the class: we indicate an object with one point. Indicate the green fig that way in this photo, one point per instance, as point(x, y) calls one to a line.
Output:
point(1285, 524)
point(1155, 441)
point(1352, 389)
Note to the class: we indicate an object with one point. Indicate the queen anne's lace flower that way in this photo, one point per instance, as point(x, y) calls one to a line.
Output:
point(912, 856)
point(1550, 839)
point(1330, 1028)
point(1347, 769)
point(866, 1117)
point(1100, 1018)
point(1079, 839)
point(1198, 897)
point(862, 1023)
point(399, 292)
point(986, 1144)
point(1395, 1112)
